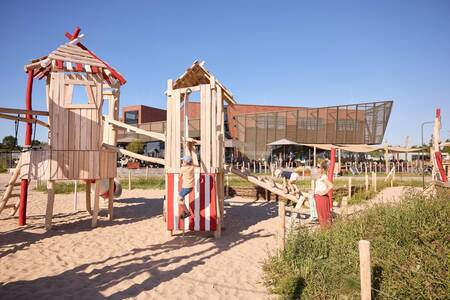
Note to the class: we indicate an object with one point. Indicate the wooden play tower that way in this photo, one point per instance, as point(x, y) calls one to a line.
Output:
point(206, 201)
point(76, 127)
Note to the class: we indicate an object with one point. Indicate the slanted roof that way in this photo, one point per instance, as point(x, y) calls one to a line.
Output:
point(74, 57)
point(197, 74)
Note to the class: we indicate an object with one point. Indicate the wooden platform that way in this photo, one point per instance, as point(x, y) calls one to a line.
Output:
point(69, 164)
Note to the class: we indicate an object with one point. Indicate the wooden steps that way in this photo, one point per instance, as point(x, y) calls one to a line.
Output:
point(8, 193)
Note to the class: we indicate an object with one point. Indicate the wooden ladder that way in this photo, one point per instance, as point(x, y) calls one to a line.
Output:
point(10, 188)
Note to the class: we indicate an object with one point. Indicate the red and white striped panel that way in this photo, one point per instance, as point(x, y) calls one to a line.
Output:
point(202, 203)
point(76, 67)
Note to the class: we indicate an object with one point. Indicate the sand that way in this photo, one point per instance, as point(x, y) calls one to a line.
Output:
point(132, 257)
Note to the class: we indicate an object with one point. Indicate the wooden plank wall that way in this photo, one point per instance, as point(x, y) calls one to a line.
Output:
point(38, 164)
point(76, 132)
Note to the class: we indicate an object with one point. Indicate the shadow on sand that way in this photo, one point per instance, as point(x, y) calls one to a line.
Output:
point(137, 209)
point(89, 280)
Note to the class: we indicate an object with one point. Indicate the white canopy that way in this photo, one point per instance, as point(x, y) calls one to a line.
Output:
point(283, 142)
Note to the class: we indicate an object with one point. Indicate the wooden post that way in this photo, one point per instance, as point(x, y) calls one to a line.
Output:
point(111, 199)
point(339, 161)
point(75, 195)
point(315, 157)
point(367, 182)
point(129, 179)
point(228, 185)
point(349, 188)
point(50, 202)
point(364, 269)
point(374, 181)
point(344, 204)
point(96, 204)
point(281, 214)
point(88, 197)
point(392, 178)
point(146, 172)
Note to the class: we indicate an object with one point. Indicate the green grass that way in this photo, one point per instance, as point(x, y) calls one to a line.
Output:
point(136, 183)
point(410, 255)
point(157, 182)
point(153, 182)
point(62, 187)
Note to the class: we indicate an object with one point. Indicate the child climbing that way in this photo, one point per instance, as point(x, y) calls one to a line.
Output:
point(187, 177)
point(289, 178)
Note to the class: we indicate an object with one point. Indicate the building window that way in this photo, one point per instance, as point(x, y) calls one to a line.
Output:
point(346, 125)
point(131, 117)
point(310, 123)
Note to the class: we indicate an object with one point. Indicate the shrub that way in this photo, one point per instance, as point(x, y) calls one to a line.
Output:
point(136, 146)
point(410, 254)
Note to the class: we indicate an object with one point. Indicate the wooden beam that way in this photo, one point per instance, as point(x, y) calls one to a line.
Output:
point(96, 204)
point(50, 202)
point(23, 111)
point(111, 199)
point(88, 197)
point(32, 120)
point(264, 185)
point(282, 232)
point(135, 155)
point(155, 135)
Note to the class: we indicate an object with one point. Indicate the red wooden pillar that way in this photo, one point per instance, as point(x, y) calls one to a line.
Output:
point(29, 129)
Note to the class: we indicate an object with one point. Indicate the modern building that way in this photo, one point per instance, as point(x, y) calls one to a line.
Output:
point(249, 128)
point(138, 114)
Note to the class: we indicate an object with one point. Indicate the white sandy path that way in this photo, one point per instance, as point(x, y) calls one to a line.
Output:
point(132, 257)
point(387, 195)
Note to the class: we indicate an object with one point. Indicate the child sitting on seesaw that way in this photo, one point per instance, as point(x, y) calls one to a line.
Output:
point(187, 176)
point(289, 178)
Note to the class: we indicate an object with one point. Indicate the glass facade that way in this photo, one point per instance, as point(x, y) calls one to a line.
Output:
point(347, 124)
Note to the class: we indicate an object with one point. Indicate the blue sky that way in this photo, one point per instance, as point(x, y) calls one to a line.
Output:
point(314, 53)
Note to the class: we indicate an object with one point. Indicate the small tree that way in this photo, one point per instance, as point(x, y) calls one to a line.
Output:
point(9, 142)
point(136, 146)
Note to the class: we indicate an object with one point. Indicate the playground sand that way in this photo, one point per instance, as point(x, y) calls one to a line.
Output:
point(132, 256)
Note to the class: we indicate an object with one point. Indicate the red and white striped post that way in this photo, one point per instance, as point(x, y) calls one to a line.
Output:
point(29, 129)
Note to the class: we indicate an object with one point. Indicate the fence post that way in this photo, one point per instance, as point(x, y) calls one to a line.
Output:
point(364, 269)
point(228, 184)
point(129, 179)
point(367, 182)
point(75, 195)
point(374, 181)
point(393, 178)
point(146, 172)
point(281, 214)
point(349, 188)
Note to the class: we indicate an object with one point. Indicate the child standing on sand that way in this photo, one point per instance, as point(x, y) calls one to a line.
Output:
point(187, 176)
